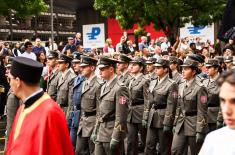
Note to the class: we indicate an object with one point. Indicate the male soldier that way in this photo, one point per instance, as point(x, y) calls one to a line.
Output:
point(65, 85)
point(212, 87)
point(74, 116)
point(54, 75)
point(112, 112)
point(191, 125)
point(12, 105)
point(122, 66)
point(89, 103)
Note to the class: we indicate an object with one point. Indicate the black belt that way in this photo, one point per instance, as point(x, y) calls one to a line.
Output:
point(63, 105)
point(160, 106)
point(193, 113)
point(212, 105)
point(137, 103)
point(107, 119)
point(87, 114)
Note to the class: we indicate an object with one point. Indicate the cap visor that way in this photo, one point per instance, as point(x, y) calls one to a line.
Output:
point(185, 65)
point(60, 60)
point(102, 66)
point(208, 65)
point(157, 65)
point(7, 66)
point(50, 57)
point(83, 64)
point(227, 61)
point(148, 62)
point(75, 60)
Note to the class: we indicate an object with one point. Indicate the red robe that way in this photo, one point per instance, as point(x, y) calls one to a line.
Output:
point(41, 129)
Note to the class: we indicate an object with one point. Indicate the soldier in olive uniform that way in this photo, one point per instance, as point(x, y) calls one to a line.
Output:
point(191, 125)
point(150, 68)
point(138, 96)
point(160, 110)
point(228, 60)
point(89, 103)
point(111, 126)
point(176, 76)
point(12, 106)
point(199, 59)
point(221, 62)
point(122, 66)
point(174, 66)
point(53, 78)
point(65, 84)
point(212, 87)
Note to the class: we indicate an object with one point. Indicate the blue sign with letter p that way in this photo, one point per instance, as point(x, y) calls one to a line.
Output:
point(195, 29)
point(95, 31)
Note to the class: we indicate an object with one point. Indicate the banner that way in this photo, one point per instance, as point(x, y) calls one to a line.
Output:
point(93, 36)
point(203, 32)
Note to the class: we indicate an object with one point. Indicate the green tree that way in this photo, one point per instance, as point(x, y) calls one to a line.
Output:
point(166, 15)
point(23, 8)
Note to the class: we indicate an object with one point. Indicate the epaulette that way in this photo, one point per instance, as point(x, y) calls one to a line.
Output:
point(120, 83)
point(199, 83)
point(172, 81)
point(205, 82)
point(146, 77)
point(199, 78)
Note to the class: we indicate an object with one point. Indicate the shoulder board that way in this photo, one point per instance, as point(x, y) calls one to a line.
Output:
point(199, 83)
point(205, 82)
point(120, 83)
point(172, 81)
point(146, 77)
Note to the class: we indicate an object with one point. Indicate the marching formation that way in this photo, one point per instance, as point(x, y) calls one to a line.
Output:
point(118, 103)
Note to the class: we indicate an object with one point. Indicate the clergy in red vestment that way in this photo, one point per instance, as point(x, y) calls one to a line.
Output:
point(40, 126)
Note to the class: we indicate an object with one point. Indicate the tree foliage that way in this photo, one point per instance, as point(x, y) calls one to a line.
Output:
point(166, 15)
point(23, 8)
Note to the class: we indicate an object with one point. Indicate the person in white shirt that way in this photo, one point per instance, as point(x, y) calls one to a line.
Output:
point(165, 45)
point(222, 141)
point(28, 51)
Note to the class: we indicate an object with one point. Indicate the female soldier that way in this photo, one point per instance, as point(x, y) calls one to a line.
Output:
point(191, 125)
point(212, 87)
point(162, 104)
point(176, 76)
point(138, 93)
